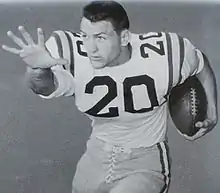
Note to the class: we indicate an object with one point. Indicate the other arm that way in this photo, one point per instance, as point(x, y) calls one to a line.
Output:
point(195, 63)
point(208, 80)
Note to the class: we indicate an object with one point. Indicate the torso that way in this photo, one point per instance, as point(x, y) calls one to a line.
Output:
point(127, 103)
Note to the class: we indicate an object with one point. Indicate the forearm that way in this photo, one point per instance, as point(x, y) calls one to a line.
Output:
point(208, 80)
point(41, 81)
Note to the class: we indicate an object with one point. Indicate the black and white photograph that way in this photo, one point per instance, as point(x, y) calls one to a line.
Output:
point(109, 96)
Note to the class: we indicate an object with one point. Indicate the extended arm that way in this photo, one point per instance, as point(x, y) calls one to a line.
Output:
point(45, 74)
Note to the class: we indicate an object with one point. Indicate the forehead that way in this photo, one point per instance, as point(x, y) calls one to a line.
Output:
point(96, 27)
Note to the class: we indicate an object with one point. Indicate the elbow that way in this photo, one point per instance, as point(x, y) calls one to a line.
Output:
point(40, 81)
point(40, 89)
point(40, 86)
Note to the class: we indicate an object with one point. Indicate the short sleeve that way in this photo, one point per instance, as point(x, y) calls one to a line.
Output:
point(59, 47)
point(187, 59)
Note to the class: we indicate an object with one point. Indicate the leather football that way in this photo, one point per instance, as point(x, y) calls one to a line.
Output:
point(187, 105)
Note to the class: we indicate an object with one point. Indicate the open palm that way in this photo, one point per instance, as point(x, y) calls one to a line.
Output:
point(34, 54)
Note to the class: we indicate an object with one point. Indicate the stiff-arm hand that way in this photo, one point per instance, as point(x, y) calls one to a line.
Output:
point(35, 55)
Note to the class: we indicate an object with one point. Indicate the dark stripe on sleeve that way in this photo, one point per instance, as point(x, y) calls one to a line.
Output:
point(59, 45)
point(182, 55)
point(163, 167)
point(72, 69)
point(170, 63)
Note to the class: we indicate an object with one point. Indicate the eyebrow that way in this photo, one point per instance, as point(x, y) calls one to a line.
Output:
point(96, 34)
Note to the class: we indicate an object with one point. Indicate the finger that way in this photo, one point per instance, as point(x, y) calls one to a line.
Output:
point(191, 138)
point(12, 50)
point(26, 35)
point(199, 134)
point(205, 123)
point(55, 62)
point(199, 124)
point(17, 40)
point(40, 35)
point(61, 61)
point(188, 137)
point(203, 130)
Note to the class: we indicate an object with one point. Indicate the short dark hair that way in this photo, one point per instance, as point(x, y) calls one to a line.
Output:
point(109, 11)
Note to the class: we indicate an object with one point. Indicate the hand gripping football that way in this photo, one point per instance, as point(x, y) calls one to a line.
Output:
point(187, 105)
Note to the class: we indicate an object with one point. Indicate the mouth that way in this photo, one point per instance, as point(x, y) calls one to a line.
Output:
point(95, 57)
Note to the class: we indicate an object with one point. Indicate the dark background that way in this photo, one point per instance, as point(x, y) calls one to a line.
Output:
point(42, 140)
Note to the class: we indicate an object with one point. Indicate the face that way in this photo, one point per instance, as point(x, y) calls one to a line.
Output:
point(101, 41)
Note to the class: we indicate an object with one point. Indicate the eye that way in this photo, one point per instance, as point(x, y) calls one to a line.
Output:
point(101, 38)
point(84, 36)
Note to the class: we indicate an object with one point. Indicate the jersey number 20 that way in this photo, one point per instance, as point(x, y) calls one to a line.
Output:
point(128, 83)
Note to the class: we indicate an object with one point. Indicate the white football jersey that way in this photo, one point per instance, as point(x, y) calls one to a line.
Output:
point(127, 103)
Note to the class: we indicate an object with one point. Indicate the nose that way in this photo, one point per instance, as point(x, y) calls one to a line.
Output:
point(91, 45)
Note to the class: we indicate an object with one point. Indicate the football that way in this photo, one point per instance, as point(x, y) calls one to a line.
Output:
point(187, 105)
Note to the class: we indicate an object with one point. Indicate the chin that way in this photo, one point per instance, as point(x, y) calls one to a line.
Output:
point(97, 64)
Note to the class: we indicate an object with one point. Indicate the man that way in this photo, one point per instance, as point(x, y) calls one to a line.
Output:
point(122, 81)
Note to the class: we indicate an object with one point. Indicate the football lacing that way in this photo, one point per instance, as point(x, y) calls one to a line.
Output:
point(193, 101)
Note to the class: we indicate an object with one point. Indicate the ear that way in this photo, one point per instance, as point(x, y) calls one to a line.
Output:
point(125, 37)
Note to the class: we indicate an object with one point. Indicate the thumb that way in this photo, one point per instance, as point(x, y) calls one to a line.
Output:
point(59, 61)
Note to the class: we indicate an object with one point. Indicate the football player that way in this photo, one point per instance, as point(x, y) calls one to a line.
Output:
point(122, 81)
